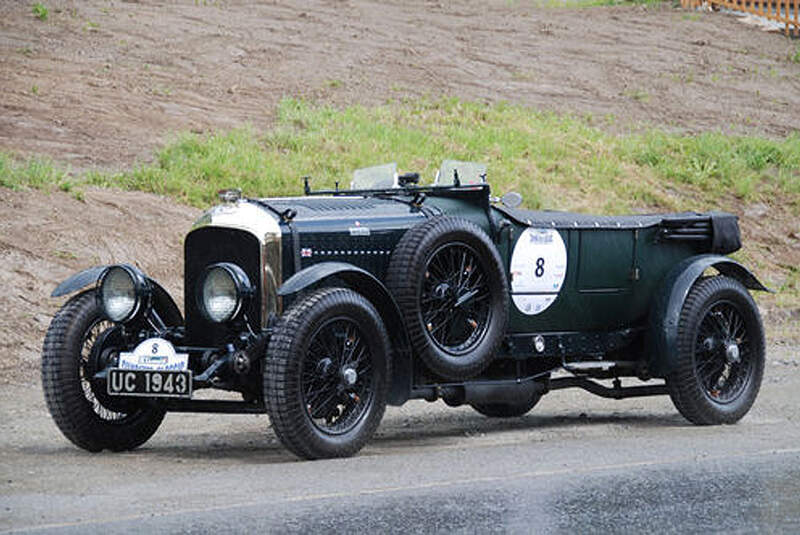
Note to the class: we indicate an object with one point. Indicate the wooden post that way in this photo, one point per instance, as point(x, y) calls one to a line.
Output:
point(796, 19)
point(783, 8)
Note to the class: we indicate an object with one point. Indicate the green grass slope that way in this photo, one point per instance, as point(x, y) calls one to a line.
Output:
point(555, 161)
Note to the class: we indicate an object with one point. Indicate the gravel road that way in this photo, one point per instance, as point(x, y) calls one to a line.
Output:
point(575, 461)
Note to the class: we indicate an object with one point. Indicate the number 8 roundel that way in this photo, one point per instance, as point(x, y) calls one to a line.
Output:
point(538, 269)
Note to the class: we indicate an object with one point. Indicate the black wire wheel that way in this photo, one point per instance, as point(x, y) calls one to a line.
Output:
point(720, 361)
point(79, 405)
point(336, 382)
point(450, 285)
point(326, 374)
point(455, 304)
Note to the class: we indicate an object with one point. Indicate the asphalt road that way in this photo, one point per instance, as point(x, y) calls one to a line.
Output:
point(575, 464)
point(753, 491)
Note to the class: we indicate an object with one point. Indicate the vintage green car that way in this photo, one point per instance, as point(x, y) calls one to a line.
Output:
point(321, 309)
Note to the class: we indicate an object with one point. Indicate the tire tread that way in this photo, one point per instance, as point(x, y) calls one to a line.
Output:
point(62, 391)
point(281, 391)
point(403, 287)
point(684, 389)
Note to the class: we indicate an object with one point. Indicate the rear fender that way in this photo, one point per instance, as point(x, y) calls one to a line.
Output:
point(662, 344)
point(162, 301)
point(374, 290)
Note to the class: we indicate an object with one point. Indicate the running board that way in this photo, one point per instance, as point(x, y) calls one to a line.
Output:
point(616, 392)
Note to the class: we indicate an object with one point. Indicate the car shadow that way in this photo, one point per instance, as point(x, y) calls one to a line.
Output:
point(430, 428)
point(398, 433)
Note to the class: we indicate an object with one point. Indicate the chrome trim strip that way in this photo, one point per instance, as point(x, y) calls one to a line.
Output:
point(246, 216)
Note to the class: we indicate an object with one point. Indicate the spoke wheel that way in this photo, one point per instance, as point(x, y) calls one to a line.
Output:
point(452, 290)
point(88, 366)
point(326, 374)
point(81, 409)
point(455, 303)
point(724, 356)
point(337, 376)
point(720, 361)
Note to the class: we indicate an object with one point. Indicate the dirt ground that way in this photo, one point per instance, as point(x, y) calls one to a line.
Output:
point(103, 82)
point(59, 235)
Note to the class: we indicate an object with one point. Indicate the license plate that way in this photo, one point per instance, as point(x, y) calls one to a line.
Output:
point(150, 383)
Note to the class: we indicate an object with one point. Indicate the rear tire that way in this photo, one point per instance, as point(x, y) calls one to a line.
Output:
point(327, 373)
point(720, 361)
point(84, 413)
point(451, 287)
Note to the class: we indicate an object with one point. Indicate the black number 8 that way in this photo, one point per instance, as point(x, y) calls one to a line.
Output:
point(539, 267)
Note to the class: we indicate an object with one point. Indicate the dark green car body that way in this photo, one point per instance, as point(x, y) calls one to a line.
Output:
point(600, 297)
point(619, 288)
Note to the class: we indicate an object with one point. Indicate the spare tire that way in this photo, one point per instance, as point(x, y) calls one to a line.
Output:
point(452, 290)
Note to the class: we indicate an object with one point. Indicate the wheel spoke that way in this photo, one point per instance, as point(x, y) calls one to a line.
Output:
point(85, 372)
point(723, 376)
point(459, 282)
point(333, 405)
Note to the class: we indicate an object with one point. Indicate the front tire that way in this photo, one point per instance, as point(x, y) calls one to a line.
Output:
point(326, 374)
point(80, 409)
point(720, 359)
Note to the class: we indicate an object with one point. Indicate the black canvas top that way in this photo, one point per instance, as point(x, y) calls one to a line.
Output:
point(555, 219)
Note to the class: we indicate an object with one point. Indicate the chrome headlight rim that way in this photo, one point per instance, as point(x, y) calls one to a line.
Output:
point(139, 286)
point(243, 290)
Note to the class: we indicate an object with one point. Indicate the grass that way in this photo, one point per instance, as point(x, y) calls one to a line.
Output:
point(40, 11)
point(36, 173)
point(795, 58)
point(555, 161)
point(638, 95)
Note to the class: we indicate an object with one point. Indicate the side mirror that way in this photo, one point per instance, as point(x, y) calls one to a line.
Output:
point(512, 199)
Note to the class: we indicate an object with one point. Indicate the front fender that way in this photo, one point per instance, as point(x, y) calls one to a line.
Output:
point(376, 292)
point(79, 281)
point(162, 301)
point(665, 313)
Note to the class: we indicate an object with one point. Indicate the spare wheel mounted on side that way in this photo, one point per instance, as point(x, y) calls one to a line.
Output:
point(449, 282)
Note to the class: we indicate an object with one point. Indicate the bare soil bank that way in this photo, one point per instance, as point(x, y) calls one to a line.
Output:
point(103, 83)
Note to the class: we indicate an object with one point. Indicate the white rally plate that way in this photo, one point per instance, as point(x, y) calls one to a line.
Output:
point(538, 269)
point(154, 354)
point(153, 369)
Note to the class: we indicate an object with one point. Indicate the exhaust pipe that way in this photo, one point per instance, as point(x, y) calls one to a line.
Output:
point(483, 393)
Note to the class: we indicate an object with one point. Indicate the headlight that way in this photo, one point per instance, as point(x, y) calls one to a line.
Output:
point(122, 289)
point(223, 290)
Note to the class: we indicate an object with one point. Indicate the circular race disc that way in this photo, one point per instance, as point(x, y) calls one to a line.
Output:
point(538, 269)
